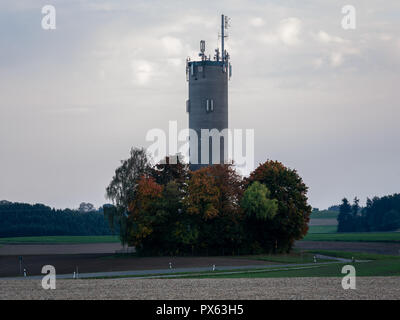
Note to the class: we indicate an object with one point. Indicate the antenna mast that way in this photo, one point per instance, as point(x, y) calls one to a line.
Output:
point(226, 65)
point(224, 25)
point(223, 37)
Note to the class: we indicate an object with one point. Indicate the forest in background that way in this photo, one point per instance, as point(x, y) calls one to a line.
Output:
point(22, 219)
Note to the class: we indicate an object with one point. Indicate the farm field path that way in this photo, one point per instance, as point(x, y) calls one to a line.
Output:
point(105, 263)
point(172, 272)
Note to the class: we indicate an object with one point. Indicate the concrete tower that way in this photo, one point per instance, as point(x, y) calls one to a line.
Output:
point(208, 102)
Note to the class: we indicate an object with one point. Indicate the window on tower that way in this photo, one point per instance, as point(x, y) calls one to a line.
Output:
point(187, 105)
point(210, 105)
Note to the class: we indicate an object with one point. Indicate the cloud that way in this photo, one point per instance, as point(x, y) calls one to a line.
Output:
point(318, 62)
point(175, 62)
point(287, 33)
point(336, 59)
point(100, 6)
point(173, 46)
point(324, 37)
point(294, 67)
point(385, 37)
point(142, 72)
point(257, 22)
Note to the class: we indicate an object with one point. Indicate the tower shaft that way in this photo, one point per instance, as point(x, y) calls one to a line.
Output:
point(207, 106)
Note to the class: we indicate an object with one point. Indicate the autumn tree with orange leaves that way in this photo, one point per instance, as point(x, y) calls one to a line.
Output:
point(213, 200)
point(212, 211)
point(143, 211)
point(158, 223)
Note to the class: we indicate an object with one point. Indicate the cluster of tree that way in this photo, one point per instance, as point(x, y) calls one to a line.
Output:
point(86, 207)
point(21, 219)
point(334, 208)
point(379, 214)
point(168, 209)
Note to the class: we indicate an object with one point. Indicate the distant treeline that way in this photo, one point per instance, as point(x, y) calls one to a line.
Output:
point(21, 219)
point(379, 214)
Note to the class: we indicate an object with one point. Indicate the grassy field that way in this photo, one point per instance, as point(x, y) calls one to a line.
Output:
point(373, 265)
point(324, 214)
point(380, 265)
point(61, 239)
point(355, 255)
point(316, 233)
point(371, 269)
point(322, 229)
point(355, 237)
point(293, 257)
point(296, 256)
point(174, 275)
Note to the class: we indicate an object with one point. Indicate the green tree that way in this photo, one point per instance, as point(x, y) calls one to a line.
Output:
point(355, 208)
point(122, 188)
point(173, 231)
point(377, 214)
point(391, 220)
point(287, 187)
point(345, 217)
point(260, 211)
point(256, 202)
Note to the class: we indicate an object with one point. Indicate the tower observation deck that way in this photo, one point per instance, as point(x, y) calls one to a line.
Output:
point(207, 105)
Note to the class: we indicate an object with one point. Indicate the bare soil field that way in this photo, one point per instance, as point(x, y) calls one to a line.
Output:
point(207, 289)
point(87, 263)
point(367, 247)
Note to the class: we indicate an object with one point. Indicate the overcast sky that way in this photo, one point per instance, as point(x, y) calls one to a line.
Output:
point(74, 100)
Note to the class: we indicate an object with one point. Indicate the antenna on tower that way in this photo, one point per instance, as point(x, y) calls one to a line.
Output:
point(224, 26)
point(202, 49)
point(223, 37)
